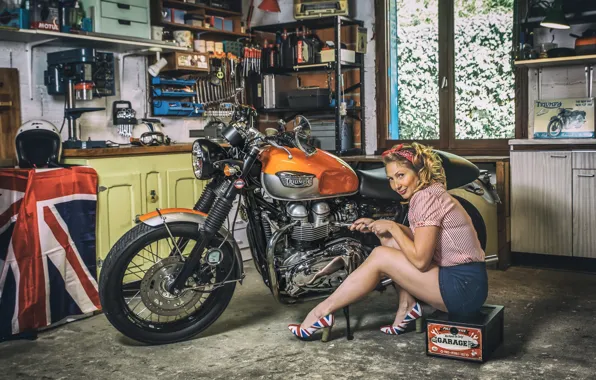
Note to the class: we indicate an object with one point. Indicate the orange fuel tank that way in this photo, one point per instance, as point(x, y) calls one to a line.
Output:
point(321, 175)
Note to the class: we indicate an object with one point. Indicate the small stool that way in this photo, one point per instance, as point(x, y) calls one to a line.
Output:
point(472, 338)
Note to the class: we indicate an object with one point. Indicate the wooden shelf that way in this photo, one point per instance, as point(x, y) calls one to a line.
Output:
point(201, 29)
point(190, 6)
point(577, 60)
point(96, 40)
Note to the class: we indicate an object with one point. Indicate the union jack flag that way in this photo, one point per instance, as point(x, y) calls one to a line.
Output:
point(47, 246)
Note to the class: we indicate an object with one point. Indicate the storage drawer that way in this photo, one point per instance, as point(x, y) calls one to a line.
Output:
point(584, 160)
point(125, 28)
point(121, 11)
point(136, 3)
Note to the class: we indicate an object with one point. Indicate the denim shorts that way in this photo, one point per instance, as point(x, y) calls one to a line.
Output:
point(464, 287)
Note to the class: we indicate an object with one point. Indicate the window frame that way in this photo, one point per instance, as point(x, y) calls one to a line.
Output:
point(447, 140)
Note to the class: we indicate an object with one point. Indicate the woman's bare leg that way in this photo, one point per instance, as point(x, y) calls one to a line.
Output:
point(383, 261)
point(405, 300)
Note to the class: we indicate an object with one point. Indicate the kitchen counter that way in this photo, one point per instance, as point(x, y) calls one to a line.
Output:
point(548, 144)
point(126, 150)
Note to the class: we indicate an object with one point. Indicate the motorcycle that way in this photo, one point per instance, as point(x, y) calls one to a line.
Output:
point(174, 273)
point(566, 119)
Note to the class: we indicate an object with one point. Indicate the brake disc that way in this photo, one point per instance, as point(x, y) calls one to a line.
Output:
point(154, 291)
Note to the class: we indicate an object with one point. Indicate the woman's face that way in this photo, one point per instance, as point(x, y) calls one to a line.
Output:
point(402, 179)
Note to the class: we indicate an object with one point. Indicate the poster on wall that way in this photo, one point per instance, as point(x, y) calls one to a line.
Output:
point(564, 118)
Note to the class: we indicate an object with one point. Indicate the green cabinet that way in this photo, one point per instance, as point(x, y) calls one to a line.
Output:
point(133, 185)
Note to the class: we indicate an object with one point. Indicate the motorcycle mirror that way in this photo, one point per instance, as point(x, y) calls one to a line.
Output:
point(271, 132)
point(302, 136)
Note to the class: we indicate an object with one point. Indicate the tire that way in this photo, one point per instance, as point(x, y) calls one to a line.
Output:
point(117, 311)
point(477, 220)
point(558, 127)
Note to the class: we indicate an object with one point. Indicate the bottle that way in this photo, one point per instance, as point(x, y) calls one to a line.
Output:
point(299, 46)
point(288, 51)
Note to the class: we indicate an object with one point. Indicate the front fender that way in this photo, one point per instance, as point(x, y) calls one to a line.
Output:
point(177, 215)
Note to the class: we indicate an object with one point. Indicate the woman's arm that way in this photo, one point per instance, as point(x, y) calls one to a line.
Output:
point(419, 250)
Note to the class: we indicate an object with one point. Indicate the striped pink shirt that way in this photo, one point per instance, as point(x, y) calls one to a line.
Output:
point(457, 241)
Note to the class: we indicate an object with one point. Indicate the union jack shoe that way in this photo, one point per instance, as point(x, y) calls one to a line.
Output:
point(325, 323)
point(415, 313)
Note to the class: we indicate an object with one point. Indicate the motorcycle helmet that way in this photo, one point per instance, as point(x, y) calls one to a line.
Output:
point(38, 144)
point(149, 133)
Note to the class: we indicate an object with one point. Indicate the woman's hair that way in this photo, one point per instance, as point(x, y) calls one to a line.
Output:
point(419, 158)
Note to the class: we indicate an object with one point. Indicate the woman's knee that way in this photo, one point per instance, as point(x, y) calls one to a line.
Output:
point(381, 255)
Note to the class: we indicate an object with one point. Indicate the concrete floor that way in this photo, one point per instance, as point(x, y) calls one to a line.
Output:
point(550, 327)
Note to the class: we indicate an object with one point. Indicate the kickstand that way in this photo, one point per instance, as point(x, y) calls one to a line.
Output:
point(348, 331)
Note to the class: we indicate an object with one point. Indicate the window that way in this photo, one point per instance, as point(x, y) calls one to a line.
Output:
point(450, 77)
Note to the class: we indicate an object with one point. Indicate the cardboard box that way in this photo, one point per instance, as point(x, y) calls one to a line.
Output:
point(346, 56)
point(186, 61)
point(564, 118)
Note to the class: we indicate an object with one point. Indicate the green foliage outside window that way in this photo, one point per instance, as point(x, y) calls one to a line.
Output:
point(483, 71)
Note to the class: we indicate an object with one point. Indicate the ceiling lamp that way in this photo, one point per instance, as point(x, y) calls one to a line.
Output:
point(555, 18)
point(270, 6)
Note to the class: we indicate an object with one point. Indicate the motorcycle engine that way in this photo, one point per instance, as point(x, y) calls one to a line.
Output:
point(321, 270)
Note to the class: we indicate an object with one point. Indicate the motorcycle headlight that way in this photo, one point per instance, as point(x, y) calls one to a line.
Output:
point(197, 159)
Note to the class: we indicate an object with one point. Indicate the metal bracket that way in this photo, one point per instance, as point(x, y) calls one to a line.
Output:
point(29, 49)
point(122, 56)
point(589, 80)
point(539, 82)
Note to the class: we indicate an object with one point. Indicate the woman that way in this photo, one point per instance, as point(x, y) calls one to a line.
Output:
point(437, 260)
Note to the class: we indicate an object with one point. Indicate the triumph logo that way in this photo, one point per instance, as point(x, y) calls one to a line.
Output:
point(296, 180)
point(549, 104)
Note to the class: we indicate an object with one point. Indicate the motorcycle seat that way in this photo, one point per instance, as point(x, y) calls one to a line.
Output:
point(458, 170)
point(374, 184)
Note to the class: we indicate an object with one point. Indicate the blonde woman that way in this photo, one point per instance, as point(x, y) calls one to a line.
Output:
point(437, 260)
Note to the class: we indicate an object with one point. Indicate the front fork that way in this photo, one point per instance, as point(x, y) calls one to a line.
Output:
point(217, 214)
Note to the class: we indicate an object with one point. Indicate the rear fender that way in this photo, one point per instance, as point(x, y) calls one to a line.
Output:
point(178, 215)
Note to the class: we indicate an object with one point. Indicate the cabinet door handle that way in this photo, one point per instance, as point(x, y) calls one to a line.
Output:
point(123, 6)
point(586, 175)
point(124, 22)
point(558, 156)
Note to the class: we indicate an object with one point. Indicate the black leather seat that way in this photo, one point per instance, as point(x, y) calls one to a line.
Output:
point(374, 184)
point(458, 170)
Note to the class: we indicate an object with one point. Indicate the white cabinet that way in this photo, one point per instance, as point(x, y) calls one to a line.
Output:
point(553, 202)
point(541, 202)
point(584, 213)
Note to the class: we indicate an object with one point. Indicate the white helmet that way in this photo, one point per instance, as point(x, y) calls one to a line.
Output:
point(149, 132)
point(38, 144)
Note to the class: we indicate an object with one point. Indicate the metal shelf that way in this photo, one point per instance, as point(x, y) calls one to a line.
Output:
point(304, 110)
point(315, 23)
point(337, 67)
point(317, 67)
point(191, 6)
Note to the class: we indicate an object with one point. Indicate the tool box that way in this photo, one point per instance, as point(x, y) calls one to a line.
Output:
point(472, 338)
point(174, 90)
point(309, 98)
point(175, 108)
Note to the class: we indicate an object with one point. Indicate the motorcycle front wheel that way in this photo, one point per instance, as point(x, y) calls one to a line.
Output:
point(554, 128)
point(137, 270)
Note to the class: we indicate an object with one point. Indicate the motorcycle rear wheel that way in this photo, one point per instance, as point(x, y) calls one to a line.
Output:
point(113, 288)
point(554, 128)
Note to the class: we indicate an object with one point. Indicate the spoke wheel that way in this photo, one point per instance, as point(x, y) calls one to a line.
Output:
point(136, 275)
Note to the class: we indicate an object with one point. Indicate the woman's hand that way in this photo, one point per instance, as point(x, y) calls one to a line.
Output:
point(361, 225)
point(383, 227)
